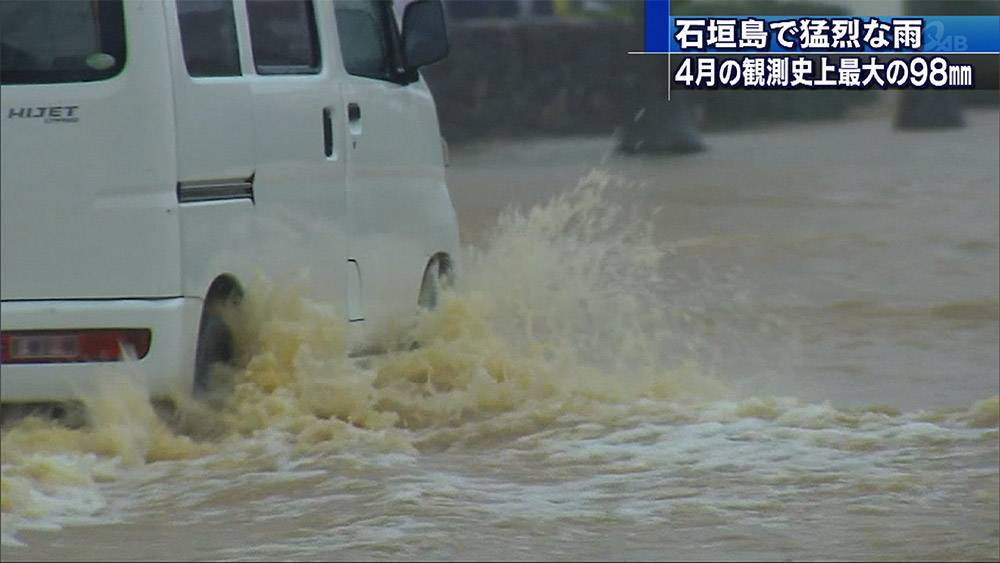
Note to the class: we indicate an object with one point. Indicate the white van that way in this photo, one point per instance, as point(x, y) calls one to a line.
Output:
point(156, 155)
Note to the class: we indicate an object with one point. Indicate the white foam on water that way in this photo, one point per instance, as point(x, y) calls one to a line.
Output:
point(555, 369)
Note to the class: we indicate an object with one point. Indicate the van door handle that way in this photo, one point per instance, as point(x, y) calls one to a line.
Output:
point(328, 131)
point(354, 118)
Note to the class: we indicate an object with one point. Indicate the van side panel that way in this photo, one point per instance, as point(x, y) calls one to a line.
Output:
point(400, 208)
point(302, 225)
point(87, 208)
point(214, 139)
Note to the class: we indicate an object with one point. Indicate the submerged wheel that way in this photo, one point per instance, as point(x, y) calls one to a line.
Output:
point(215, 346)
point(437, 276)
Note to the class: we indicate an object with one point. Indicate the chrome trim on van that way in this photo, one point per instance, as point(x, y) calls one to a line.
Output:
point(215, 190)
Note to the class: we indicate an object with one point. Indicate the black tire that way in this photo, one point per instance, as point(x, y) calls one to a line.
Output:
point(215, 346)
point(437, 276)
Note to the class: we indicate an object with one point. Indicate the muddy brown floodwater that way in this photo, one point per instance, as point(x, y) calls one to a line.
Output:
point(784, 347)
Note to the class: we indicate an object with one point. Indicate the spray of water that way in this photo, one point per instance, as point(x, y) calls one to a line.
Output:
point(562, 309)
point(563, 314)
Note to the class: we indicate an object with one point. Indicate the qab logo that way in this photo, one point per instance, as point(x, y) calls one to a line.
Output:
point(935, 39)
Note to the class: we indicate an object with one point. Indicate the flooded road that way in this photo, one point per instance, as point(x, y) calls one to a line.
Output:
point(785, 347)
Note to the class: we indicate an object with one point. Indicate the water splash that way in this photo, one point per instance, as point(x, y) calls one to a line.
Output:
point(558, 314)
point(561, 321)
point(561, 312)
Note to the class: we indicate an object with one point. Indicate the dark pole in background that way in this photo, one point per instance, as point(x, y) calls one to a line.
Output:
point(657, 125)
point(930, 108)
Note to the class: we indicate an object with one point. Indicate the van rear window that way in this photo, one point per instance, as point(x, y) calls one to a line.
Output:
point(55, 41)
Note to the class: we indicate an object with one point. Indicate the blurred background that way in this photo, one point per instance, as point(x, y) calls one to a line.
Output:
point(837, 245)
point(521, 68)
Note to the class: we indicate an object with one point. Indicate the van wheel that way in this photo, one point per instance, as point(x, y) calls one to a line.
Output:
point(215, 346)
point(166, 410)
point(437, 276)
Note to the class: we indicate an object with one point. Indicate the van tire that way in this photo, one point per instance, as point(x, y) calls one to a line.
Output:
point(215, 346)
point(437, 276)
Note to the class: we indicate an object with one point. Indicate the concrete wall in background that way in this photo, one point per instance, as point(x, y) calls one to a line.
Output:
point(508, 80)
point(573, 76)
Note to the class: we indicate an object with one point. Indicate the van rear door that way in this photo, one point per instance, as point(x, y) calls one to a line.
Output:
point(87, 201)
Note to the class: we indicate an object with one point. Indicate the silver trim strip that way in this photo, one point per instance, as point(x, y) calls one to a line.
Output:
point(215, 190)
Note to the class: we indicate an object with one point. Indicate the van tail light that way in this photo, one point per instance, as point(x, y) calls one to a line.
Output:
point(64, 346)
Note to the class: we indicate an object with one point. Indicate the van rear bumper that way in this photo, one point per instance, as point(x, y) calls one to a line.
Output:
point(166, 370)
